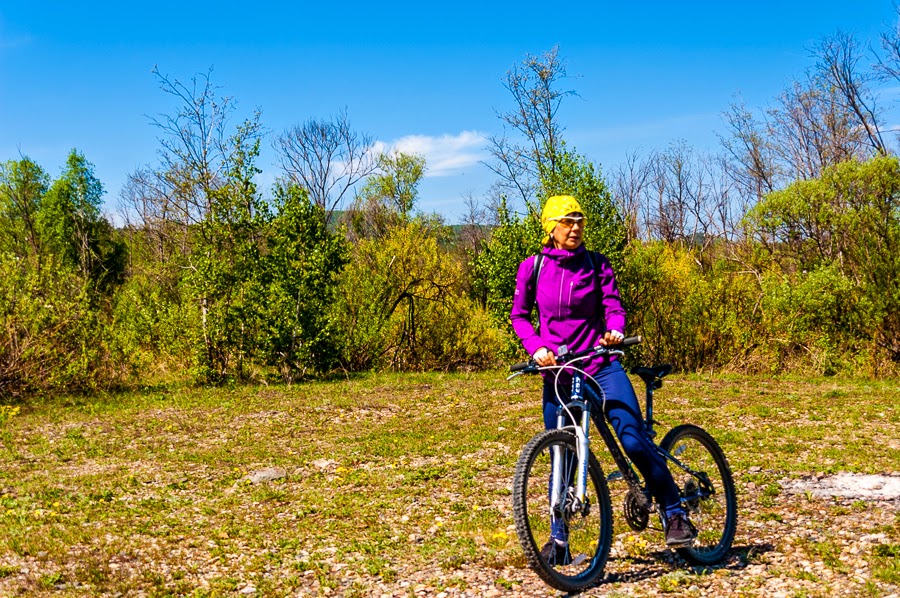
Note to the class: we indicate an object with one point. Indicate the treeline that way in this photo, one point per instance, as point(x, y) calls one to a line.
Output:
point(780, 253)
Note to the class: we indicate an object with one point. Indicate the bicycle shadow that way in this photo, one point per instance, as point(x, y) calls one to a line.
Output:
point(661, 562)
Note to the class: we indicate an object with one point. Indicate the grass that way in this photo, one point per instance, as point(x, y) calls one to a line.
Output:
point(886, 563)
point(387, 474)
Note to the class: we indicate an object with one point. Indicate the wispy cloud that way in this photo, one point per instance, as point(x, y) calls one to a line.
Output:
point(445, 155)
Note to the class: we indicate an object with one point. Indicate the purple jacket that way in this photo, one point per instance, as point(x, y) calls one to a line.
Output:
point(577, 303)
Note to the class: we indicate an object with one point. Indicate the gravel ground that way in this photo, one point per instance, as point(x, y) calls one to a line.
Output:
point(796, 546)
point(792, 542)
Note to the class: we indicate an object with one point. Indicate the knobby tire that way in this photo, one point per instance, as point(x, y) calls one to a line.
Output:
point(590, 536)
point(715, 516)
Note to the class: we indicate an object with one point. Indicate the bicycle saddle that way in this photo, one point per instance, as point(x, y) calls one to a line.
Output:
point(654, 375)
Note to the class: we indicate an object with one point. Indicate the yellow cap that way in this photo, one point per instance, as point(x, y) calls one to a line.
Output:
point(555, 208)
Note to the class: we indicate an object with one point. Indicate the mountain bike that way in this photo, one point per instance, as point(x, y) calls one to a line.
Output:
point(558, 478)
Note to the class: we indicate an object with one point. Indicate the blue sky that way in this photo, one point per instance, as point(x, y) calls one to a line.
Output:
point(420, 76)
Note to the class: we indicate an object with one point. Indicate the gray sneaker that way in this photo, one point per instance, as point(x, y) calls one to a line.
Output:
point(679, 530)
point(556, 553)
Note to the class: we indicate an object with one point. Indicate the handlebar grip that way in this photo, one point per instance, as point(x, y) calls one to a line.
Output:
point(518, 367)
point(632, 340)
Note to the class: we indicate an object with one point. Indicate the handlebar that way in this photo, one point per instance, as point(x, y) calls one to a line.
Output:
point(530, 367)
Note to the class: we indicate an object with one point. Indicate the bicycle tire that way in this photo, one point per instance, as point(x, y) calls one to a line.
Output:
point(715, 516)
point(589, 534)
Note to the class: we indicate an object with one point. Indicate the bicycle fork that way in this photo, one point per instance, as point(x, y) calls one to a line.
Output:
point(560, 465)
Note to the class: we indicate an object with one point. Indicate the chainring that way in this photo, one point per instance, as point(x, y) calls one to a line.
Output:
point(637, 510)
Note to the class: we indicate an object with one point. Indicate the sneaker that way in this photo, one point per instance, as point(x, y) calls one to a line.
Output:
point(556, 553)
point(679, 530)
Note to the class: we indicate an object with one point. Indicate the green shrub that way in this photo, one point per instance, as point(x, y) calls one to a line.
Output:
point(51, 334)
point(401, 305)
point(692, 316)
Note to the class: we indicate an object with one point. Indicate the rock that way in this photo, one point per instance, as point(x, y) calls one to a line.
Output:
point(847, 485)
point(266, 475)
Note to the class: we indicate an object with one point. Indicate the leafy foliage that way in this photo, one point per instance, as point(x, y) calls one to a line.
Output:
point(400, 307)
point(388, 197)
point(302, 267)
point(59, 263)
point(213, 279)
point(72, 228)
point(495, 267)
point(51, 335)
point(845, 225)
point(23, 185)
point(577, 176)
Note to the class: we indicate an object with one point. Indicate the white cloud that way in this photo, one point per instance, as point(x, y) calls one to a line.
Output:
point(445, 155)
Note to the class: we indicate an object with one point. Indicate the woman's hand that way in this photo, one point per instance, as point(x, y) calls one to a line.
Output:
point(543, 357)
point(612, 337)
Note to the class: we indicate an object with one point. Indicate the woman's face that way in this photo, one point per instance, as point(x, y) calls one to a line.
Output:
point(568, 232)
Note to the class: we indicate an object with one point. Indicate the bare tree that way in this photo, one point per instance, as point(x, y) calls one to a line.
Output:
point(838, 63)
point(197, 155)
point(750, 162)
point(629, 184)
point(475, 229)
point(194, 145)
point(677, 195)
point(888, 66)
point(533, 85)
point(157, 219)
point(327, 157)
point(811, 126)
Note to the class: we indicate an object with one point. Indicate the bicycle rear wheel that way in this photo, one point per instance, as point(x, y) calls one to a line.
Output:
point(580, 563)
point(708, 493)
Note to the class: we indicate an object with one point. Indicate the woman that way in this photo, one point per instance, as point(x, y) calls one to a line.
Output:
point(579, 306)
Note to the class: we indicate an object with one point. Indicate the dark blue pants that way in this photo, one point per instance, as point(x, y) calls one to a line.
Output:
point(624, 414)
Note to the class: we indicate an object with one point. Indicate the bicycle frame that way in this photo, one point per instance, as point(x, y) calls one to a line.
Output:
point(623, 465)
point(583, 435)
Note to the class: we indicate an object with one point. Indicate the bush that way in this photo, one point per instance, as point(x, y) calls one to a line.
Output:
point(840, 233)
point(154, 330)
point(690, 317)
point(401, 306)
point(813, 320)
point(52, 335)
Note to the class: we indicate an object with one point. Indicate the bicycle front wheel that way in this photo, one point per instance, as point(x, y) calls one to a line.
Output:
point(707, 490)
point(578, 562)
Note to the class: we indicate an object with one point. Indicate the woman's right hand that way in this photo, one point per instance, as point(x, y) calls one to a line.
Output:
point(543, 357)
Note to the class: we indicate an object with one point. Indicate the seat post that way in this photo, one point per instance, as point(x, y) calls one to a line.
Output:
point(652, 378)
